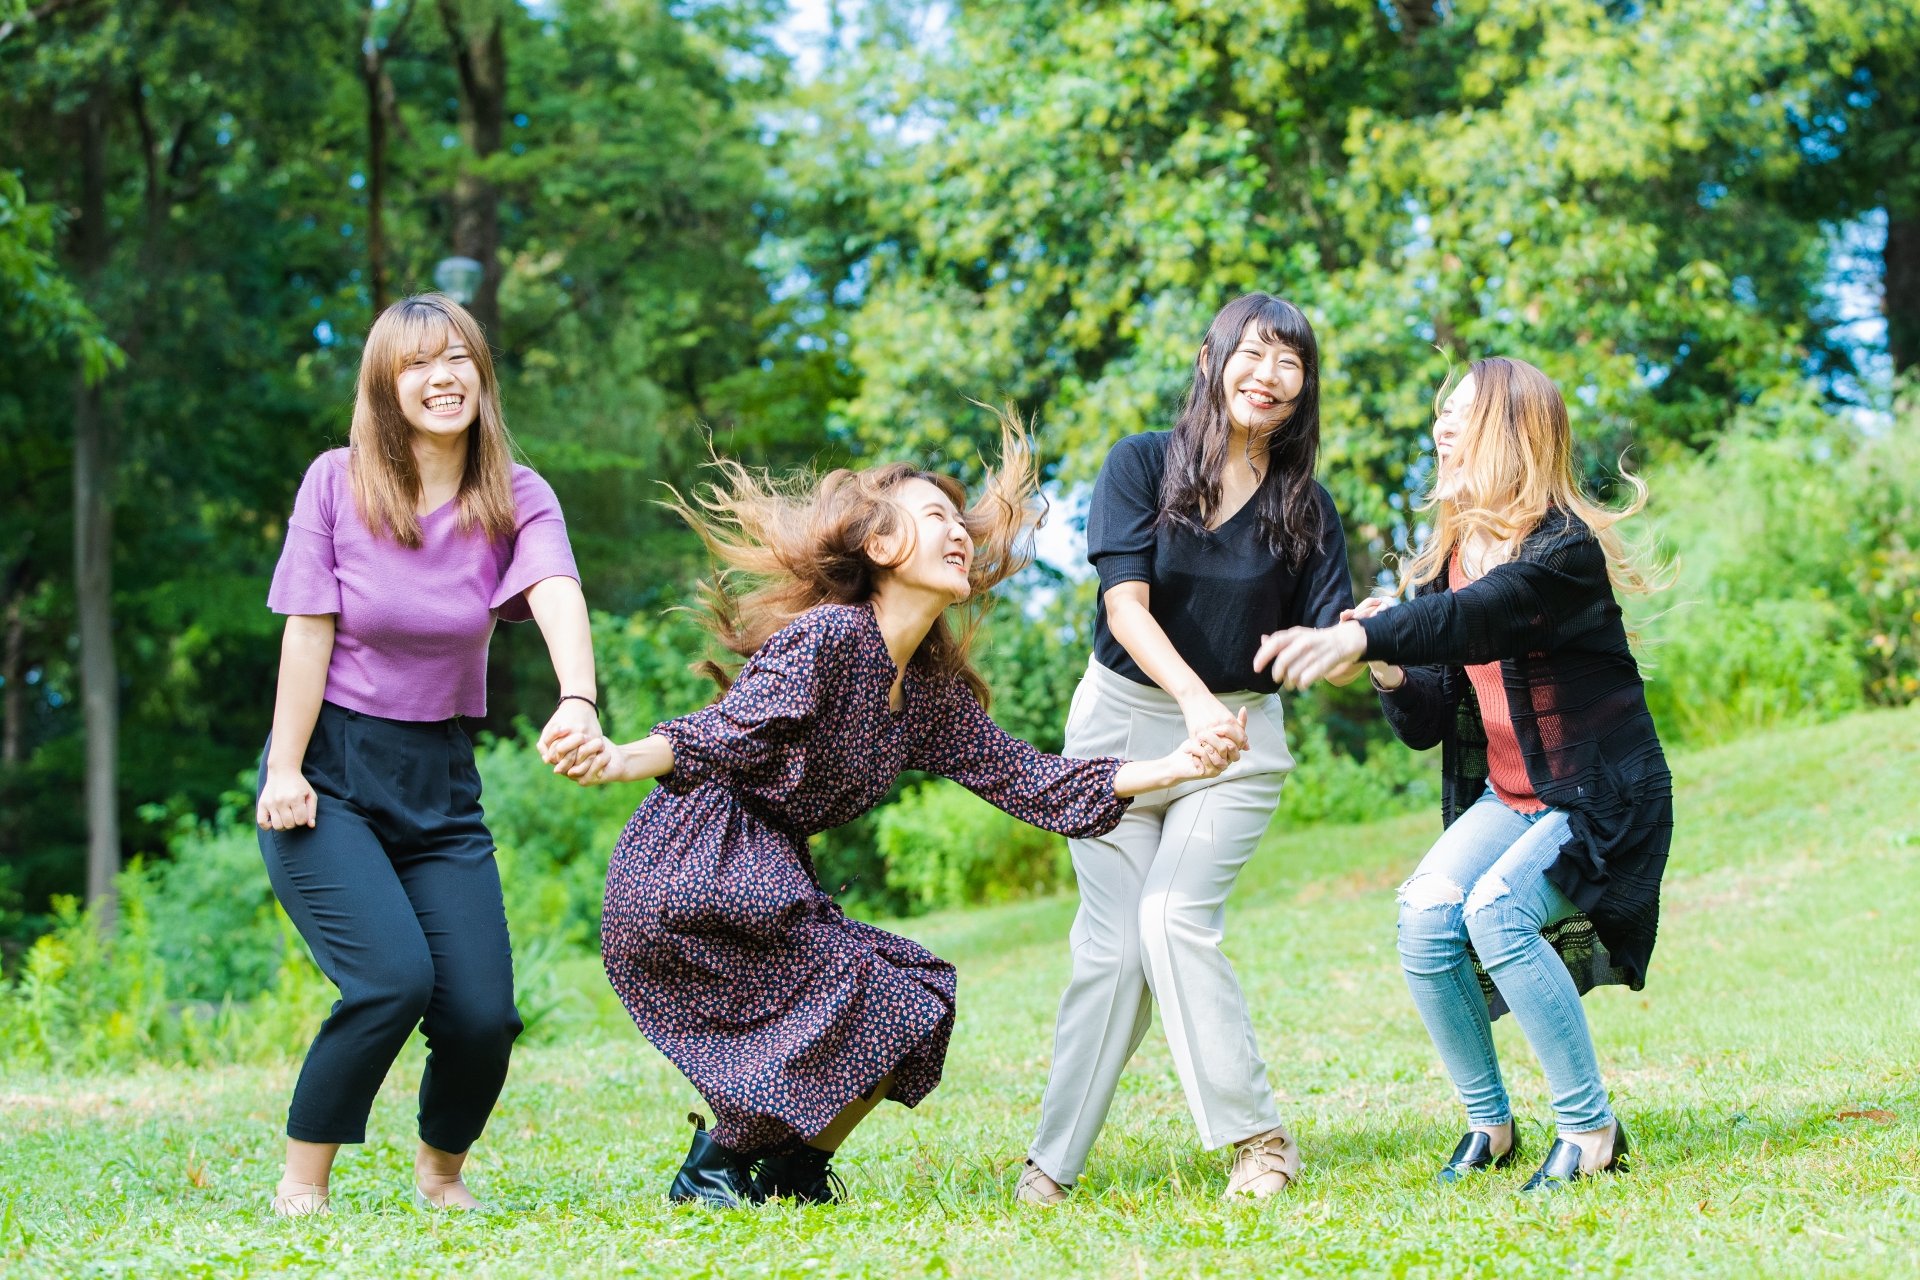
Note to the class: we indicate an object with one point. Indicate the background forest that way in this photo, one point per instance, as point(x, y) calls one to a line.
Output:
point(817, 239)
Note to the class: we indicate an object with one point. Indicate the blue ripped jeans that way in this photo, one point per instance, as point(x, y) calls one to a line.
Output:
point(1485, 882)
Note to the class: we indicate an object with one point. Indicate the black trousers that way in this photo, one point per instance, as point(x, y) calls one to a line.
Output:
point(396, 892)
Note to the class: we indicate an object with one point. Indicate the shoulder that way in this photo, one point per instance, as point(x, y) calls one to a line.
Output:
point(1144, 452)
point(826, 629)
point(1562, 537)
point(323, 490)
point(533, 497)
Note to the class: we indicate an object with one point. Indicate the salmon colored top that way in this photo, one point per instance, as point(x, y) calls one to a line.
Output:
point(1506, 767)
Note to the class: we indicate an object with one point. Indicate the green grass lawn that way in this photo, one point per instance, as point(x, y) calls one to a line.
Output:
point(1781, 1006)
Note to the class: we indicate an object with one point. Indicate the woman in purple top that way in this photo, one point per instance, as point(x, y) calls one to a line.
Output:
point(792, 1020)
point(402, 552)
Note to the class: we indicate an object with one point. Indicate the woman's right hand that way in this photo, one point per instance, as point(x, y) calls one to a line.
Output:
point(286, 801)
point(1385, 674)
point(1209, 720)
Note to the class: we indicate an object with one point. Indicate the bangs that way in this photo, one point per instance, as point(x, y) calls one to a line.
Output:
point(1279, 321)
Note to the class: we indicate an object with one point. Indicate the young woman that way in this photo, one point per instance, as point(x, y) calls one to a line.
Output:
point(790, 1019)
point(402, 551)
point(1512, 655)
point(1206, 538)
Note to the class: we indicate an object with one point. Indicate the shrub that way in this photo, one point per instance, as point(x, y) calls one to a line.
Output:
point(1799, 581)
point(946, 847)
point(1328, 785)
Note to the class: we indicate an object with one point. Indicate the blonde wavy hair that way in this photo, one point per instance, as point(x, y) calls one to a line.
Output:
point(1512, 464)
point(386, 480)
point(786, 545)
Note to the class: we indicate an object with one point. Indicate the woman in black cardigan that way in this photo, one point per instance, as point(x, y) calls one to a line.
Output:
point(1513, 656)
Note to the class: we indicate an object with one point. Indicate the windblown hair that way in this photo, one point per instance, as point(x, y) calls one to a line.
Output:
point(1512, 465)
point(788, 545)
point(386, 482)
point(1288, 514)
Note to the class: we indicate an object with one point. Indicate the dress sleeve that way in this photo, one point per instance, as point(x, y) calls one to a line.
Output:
point(1326, 584)
point(304, 582)
point(960, 741)
point(1122, 515)
point(755, 727)
point(1554, 592)
point(540, 546)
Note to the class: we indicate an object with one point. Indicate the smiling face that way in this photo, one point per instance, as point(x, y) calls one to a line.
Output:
point(1448, 425)
point(1261, 381)
point(439, 386)
point(930, 550)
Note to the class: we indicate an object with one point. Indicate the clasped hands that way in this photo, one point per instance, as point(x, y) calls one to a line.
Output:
point(1301, 655)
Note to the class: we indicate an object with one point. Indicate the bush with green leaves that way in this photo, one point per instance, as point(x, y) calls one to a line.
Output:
point(1798, 596)
point(946, 847)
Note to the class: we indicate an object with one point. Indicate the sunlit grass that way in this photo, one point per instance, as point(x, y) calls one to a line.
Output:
point(1767, 1074)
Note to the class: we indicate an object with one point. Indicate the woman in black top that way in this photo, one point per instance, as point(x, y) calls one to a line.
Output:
point(1557, 801)
point(1206, 538)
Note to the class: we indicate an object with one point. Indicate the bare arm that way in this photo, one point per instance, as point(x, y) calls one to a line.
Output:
point(306, 648)
point(592, 760)
point(1133, 625)
point(561, 612)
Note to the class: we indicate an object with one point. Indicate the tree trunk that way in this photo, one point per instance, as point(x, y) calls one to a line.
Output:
point(93, 539)
point(1900, 276)
point(480, 56)
point(374, 52)
point(11, 680)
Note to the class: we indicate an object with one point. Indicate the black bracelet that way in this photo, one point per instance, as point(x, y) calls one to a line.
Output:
point(578, 697)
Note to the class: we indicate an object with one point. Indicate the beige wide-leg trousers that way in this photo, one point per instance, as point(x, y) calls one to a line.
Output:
point(1153, 895)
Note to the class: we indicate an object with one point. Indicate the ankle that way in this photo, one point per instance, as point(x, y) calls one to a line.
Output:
point(1499, 1136)
point(1596, 1146)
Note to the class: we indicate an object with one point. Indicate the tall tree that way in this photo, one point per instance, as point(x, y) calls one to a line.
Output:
point(376, 47)
point(476, 30)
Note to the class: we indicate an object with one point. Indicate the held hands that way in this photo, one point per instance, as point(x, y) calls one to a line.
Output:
point(574, 720)
point(1205, 755)
point(589, 757)
point(1302, 655)
point(1385, 674)
point(286, 801)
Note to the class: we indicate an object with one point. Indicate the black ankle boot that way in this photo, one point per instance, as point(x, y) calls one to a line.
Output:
point(712, 1174)
point(1562, 1165)
point(1474, 1154)
point(804, 1174)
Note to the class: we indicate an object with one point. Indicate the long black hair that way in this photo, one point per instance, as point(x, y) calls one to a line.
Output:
point(1286, 508)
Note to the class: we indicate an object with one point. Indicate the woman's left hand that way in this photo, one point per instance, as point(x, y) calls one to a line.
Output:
point(573, 724)
point(1302, 655)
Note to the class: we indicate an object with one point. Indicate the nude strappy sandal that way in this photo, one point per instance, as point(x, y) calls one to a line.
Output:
point(313, 1202)
point(1264, 1165)
point(1037, 1188)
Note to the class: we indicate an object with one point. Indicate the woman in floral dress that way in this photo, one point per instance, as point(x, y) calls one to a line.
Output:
point(791, 1020)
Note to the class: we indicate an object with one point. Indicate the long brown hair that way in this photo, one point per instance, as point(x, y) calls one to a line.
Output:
point(1285, 506)
point(1513, 464)
point(386, 481)
point(788, 545)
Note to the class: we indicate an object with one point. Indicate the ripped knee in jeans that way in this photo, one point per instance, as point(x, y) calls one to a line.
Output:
point(1488, 891)
point(1428, 890)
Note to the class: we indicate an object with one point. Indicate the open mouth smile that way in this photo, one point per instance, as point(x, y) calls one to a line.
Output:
point(444, 405)
point(1260, 399)
point(957, 560)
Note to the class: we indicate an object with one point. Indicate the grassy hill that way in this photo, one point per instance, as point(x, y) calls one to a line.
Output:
point(1770, 1074)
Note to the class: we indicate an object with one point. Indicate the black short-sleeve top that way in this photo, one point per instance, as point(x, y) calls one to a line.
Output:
point(1214, 592)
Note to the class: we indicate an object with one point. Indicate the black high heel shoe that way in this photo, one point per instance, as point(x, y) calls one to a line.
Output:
point(712, 1174)
point(1474, 1154)
point(804, 1174)
point(1562, 1165)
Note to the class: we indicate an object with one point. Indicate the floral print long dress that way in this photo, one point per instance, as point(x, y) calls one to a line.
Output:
point(729, 956)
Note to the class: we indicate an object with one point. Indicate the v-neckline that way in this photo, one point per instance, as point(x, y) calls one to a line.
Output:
point(899, 673)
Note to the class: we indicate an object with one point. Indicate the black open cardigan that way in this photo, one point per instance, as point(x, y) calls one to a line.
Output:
point(1579, 711)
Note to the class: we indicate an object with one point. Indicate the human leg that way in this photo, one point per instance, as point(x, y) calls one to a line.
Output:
point(470, 1023)
point(1504, 915)
point(1106, 1008)
point(341, 892)
point(1433, 944)
point(1207, 836)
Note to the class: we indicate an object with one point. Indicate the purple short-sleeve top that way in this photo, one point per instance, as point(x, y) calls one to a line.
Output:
point(411, 625)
